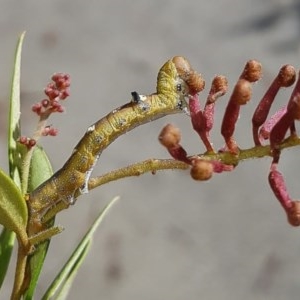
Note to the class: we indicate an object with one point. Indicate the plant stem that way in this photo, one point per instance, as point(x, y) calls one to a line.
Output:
point(153, 165)
point(19, 274)
point(137, 169)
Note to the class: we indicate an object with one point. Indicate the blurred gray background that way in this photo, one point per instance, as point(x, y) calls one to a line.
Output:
point(168, 237)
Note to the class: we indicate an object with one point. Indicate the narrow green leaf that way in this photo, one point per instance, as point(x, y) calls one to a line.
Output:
point(64, 292)
point(7, 241)
point(40, 171)
point(7, 237)
point(13, 210)
point(68, 272)
point(14, 129)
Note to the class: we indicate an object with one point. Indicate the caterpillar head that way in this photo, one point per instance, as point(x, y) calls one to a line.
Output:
point(177, 75)
point(193, 80)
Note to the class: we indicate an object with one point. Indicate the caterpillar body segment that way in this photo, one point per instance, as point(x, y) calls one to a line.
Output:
point(170, 98)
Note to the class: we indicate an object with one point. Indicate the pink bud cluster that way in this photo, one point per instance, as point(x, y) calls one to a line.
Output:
point(28, 142)
point(273, 129)
point(56, 91)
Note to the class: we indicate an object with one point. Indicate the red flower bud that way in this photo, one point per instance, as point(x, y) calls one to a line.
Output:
point(170, 137)
point(292, 208)
point(240, 95)
point(286, 77)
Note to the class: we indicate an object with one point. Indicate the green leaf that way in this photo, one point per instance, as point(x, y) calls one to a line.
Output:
point(62, 283)
point(40, 168)
point(40, 171)
point(14, 130)
point(7, 237)
point(63, 293)
point(7, 241)
point(13, 210)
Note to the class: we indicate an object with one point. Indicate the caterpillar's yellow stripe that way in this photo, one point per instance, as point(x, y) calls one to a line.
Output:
point(172, 88)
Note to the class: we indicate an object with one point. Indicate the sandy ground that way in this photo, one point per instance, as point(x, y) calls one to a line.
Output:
point(168, 237)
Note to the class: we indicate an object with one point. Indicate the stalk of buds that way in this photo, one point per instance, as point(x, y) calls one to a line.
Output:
point(274, 129)
point(56, 91)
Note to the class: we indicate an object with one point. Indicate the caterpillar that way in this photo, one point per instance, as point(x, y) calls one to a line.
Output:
point(175, 81)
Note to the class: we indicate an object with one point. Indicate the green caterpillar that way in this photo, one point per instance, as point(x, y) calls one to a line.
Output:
point(175, 81)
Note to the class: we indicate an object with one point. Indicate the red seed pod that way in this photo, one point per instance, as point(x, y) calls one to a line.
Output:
point(292, 208)
point(240, 95)
point(278, 187)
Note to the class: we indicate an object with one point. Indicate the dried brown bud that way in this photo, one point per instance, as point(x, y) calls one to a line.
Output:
point(252, 71)
point(195, 83)
point(286, 76)
point(201, 169)
point(170, 136)
point(218, 88)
